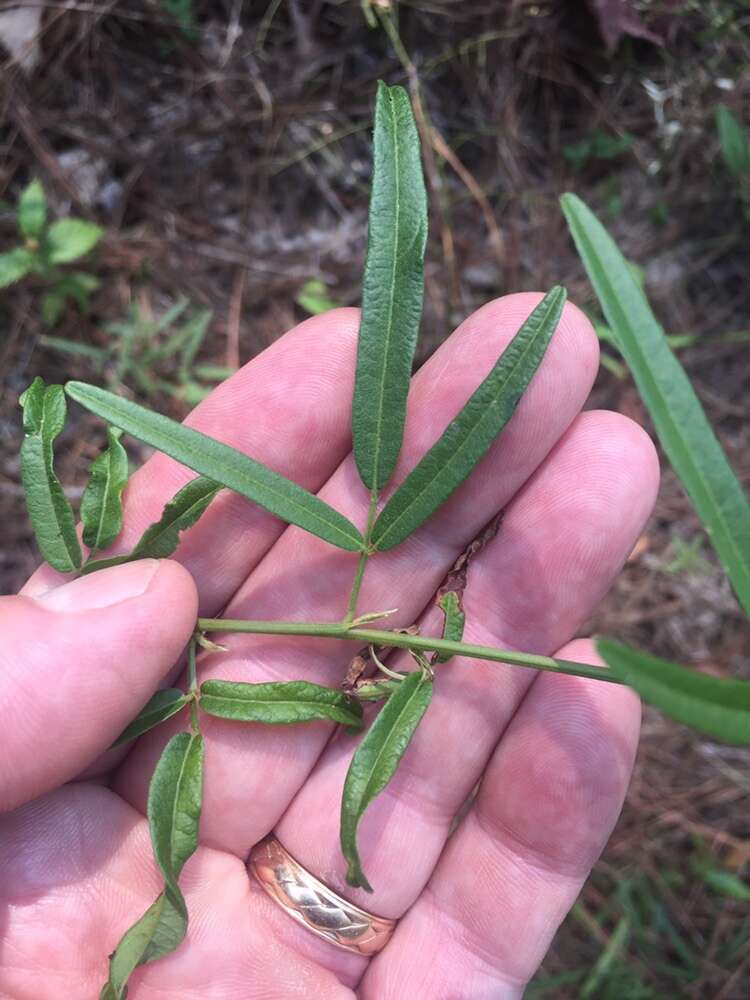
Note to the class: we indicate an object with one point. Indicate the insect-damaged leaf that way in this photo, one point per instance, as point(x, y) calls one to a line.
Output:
point(101, 503)
point(469, 435)
point(222, 464)
point(162, 706)
point(50, 512)
point(161, 539)
point(183, 510)
point(376, 759)
point(679, 419)
point(174, 806)
point(455, 619)
point(713, 705)
point(278, 703)
point(392, 289)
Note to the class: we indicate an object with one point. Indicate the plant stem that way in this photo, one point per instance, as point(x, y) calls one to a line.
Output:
point(193, 678)
point(402, 640)
point(351, 608)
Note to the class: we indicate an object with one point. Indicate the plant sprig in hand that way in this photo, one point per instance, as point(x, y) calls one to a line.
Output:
point(392, 302)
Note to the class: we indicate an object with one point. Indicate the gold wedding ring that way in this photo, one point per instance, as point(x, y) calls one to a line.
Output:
point(313, 904)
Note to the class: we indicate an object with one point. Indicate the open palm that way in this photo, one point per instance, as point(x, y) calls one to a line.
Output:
point(480, 903)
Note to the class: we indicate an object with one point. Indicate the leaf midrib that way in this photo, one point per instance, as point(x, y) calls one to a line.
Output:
point(369, 790)
point(262, 474)
point(486, 414)
point(172, 875)
point(391, 299)
point(48, 455)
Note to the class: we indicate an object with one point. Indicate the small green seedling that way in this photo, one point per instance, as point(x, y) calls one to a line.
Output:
point(44, 247)
point(158, 355)
point(391, 312)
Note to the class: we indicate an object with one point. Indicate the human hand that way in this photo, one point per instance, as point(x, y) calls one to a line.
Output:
point(556, 752)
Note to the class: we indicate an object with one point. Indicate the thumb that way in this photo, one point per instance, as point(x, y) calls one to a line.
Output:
point(79, 662)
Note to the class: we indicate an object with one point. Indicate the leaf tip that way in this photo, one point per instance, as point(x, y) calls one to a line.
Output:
point(356, 878)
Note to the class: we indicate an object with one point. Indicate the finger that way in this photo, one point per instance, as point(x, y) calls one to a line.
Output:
point(507, 878)
point(562, 540)
point(77, 870)
point(78, 663)
point(289, 409)
point(303, 578)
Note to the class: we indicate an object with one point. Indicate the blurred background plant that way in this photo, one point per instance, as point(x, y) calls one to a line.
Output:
point(224, 148)
point(153, 355)
point(44, 247)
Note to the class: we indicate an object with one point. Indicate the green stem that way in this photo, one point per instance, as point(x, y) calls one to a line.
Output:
point(402, 640)
point(351, 608)
point(193, 679)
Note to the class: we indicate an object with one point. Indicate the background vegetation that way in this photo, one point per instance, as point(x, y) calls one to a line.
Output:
point(223, 148)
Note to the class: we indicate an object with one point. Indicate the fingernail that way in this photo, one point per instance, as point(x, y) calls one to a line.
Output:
point(103, 588)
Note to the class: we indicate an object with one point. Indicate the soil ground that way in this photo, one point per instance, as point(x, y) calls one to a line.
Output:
point(228, 160)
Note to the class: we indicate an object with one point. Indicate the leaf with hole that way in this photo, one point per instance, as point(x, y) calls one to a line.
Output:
point(32, 211)
point(223, 464)
point(161, 539)
point(392, 289)
point(281, 703)
point(163, 705)
point(101, 503)
point(49, 509)
point(679, 419)
point(470, 434)
point(719, 707)
point(375, 761)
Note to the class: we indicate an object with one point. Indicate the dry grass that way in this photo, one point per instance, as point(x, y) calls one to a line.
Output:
point(232, 165)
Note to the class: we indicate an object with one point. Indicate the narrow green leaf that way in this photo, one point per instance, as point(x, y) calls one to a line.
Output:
point(174, 803)
point(717, 706)
point(32, 211)
point(278, 703)
point(392, 289)
point(679, 419)
point(129, 952)
point(14, 265)
point(470, 434)
point(69, 239)
point(734, 142)
point(455, 619)
point(161, 707)
point(375, 762)
point(50, 512)
point(101, 503)
point(223, 464)
point(174, 807)
point(185, 508)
